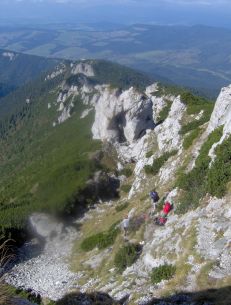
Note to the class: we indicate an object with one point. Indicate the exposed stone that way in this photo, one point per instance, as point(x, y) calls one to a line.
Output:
point(83, 68)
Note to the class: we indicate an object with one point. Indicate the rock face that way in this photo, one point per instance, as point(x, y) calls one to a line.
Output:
point(121, 117)
point(168, 136)
point(222, 111)
point(83, 68)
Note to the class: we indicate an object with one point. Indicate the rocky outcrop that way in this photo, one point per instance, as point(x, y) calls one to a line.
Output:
point(83, 68)
point(121, 117)
point(222, 112)
point(168, 136)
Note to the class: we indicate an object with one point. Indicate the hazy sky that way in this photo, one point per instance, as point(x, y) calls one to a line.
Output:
point(208, 12)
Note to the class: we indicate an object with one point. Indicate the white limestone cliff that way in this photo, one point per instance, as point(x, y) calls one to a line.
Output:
point(121, 117)
point(83, 68)
point(168, 136)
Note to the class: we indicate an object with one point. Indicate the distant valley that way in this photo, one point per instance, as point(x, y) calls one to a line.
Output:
point(197, 57)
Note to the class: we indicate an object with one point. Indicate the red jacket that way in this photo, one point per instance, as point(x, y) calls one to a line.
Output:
point(167, 207)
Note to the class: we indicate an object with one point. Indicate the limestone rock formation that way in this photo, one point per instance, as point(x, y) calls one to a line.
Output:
point(121, 117)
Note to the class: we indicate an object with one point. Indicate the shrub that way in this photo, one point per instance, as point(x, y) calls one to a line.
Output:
point(194, 105)
point(194, 182)
point(126, 172)
point(149, 154)
point(158, 163)
point(126, 188)
point(126, 256)
point(121, 207)
point(220, 171)
point(190, 138)
point(101, 240)
point(164, 112)
point(164, 272)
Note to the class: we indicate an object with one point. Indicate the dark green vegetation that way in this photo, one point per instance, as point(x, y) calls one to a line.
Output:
point(119, 76)
point(149, 154)
point(18, 69)
point(164, 112)
point(126, 188)
point(126, 172)
point(195, 105)
point(195, 183)
point(121, 207)
point(164, 272)
point(189, 57)
point(101, 240)
point(220, 171)
point(188, 140)
point(159, 162)
point(126, 256)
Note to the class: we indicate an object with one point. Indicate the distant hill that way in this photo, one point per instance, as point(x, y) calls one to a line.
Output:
point(195, 57)
point(18, 69)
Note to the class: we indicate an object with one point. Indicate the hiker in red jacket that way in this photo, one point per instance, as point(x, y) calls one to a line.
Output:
point(162, 219)
point(166, 208)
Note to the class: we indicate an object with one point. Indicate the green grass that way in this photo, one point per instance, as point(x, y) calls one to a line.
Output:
point(194, 183)
point(188, 140)
point(164, 272)
point(219, 174)
point(149, 154)
point(126, 172)
point(121, 207)
point(164, 112)
point(100, 240)
point(158, 163)
point(126, 188)
point(126, 256)
point(44, 168)
point(195, 105)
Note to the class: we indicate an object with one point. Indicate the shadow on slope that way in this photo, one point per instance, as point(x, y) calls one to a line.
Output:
point(94, 298)
point(220, 296)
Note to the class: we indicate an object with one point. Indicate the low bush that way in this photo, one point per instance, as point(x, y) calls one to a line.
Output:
point(159, 162)
point(164, 272)
point(188, 140)
point(195, 104)
point(121, 207)
point(126, 172)
point(194, 183)
point(126, 188)
point(220, 171)
point(149, 154)
point(101, 240)
point(126, 256)
point(164, 112)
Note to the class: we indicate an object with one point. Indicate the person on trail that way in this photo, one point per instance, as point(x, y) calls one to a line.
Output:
point(155, 198)
point(125, 225)
point(167, 207)
point(162, 219)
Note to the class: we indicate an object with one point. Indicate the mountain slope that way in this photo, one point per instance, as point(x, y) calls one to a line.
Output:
point(44, 164)
point(18, 69)
point(151, 137)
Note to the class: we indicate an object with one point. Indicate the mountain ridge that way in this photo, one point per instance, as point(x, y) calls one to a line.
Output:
point(147, 137)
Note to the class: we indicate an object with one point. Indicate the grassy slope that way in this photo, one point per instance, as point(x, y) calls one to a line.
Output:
point(42, 167)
